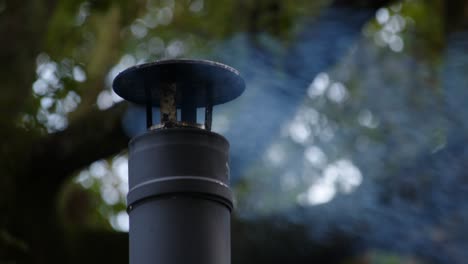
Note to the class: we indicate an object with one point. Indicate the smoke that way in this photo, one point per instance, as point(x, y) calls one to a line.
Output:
point(373, 149)
point(278, 77)
point(340, 135)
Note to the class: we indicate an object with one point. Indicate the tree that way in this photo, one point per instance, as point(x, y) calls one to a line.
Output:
point(60, 56)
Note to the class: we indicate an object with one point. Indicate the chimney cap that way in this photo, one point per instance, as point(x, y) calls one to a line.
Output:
point(207, 82)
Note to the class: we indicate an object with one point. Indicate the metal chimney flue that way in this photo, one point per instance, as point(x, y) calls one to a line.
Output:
point(179, 200)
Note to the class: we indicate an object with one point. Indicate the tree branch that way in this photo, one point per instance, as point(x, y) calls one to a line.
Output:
point(95, 135)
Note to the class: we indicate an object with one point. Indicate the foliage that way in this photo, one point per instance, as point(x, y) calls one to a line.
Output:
point(331, 100)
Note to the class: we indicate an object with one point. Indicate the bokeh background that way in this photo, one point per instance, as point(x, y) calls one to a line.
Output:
point(349, 145)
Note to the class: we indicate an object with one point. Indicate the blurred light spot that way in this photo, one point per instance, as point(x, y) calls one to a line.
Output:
point(337, 92)
point(311, 115)
point(396, 7)
point(120, 221)
point(83, 13)
point(109, 194)
point(47, 70)
point(220, 124)
point(367, 119)
point(317, 194)
point(127, 60)
point(71, 101)
point(342, 175)
point(345, 174)
point(164, 16)
point(401, 21)
point(138, 30)
point(275, 154)
point(299, 132)
point(196, 6)
point(395, 24)
point(84, 179)
point(155, 45)
point(98, 169)
point(40, 87)
point(56, 122)
point(115, 97)
point(382, 15)
point(318, 85)
point(385, 35)
point(315, 156)
point(59, 108)
point(42, 58)
point(123, 221)
point(41, 115)
point(111, 177)
point(120, 168)
point(175, 49)
point(396, 44)
point(78, 74)
point(47, 102)
point(104, 100)
point(150, 20)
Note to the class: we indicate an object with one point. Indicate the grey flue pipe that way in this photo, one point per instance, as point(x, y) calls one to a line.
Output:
point(179, 200)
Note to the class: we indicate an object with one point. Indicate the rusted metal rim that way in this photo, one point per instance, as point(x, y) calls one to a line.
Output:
point(177, 125)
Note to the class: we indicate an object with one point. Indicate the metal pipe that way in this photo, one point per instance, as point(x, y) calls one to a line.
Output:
point(179, 199)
